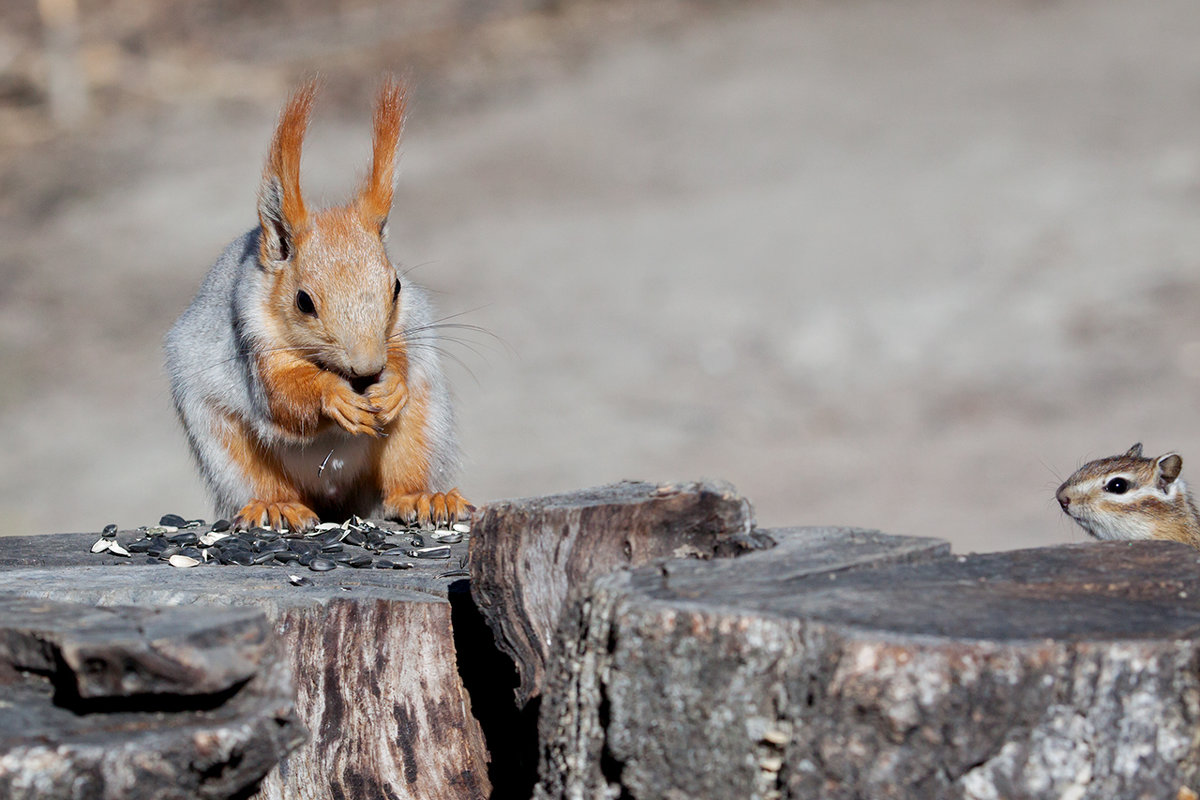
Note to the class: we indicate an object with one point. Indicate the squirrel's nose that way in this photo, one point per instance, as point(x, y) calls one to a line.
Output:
point(366, 363)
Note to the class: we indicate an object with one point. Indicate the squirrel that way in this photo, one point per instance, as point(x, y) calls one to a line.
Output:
point(306, 372)
point(1131, 497)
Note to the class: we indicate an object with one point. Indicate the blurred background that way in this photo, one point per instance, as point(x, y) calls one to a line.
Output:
point(902, 265)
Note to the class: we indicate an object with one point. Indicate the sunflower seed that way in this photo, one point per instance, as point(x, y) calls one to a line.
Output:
point(319, 564)
point(221, 525)
point(110, 530)
point(182, 561)
point(456, 573)
point(438, 551)
point(447, 536)
point(172, 520)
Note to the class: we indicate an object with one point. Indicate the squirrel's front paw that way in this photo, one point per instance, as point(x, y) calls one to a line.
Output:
point(389, 395)
point(436, 508)
point(355, 412)
point(289, 515)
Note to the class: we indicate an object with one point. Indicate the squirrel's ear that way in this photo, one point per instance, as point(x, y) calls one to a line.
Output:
point(375, 198)
point(281, 210)
point(1135, 451)
point(1168, 468)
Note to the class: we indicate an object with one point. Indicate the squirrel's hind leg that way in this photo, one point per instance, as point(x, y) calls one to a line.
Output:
point(274, 501)
point(403, 464)
point(426, 508)
point(291, 515)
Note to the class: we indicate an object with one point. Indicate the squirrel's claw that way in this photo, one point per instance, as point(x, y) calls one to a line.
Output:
point(430, 508)
point(352, 411)
point(389, 396)
point(279, 516)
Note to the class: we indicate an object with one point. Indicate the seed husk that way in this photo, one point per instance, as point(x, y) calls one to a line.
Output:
point(182, 561)
point(101, 545)
point(438, 551)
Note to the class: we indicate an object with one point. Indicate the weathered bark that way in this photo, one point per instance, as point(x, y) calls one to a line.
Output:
point(528, 554)
point(372, 653)
point(1058, 672)
point(120, 703)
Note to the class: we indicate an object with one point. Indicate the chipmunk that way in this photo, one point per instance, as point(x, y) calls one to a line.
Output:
point(1131, 497)
point(306, 371)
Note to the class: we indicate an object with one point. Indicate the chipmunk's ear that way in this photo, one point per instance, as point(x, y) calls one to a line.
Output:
point(1168, 468)
point(281, 210)
point(1135, 451)
point(375, 198)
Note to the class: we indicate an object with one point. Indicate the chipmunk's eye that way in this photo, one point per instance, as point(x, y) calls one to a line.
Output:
point(1117, 486)
point(396, 290)
point(304, 303)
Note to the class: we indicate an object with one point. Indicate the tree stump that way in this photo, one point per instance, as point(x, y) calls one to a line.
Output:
point(848, 665)
point(120, 703)
point(526, 555)
point(372, 654)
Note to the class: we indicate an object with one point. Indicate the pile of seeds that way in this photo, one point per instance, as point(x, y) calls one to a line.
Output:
point(356, 543)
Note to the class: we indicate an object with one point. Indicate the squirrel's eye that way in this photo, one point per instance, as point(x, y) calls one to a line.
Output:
point(396, 290)
point(304, 303)
point(1117, 486)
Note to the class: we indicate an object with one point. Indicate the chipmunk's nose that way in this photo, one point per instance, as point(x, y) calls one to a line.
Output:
point(1063, 500)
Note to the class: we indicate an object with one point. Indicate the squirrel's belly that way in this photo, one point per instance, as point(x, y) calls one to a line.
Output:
point(329, 466)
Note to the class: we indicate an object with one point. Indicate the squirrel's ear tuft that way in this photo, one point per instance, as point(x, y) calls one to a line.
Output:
point(281, 209)
point(375, 198)
point(1135, 451)
point(1168, 468)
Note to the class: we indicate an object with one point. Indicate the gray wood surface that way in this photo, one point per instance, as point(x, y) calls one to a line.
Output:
point(371, 651)
point(119, 702)
point(844, 664)
point(528, 554)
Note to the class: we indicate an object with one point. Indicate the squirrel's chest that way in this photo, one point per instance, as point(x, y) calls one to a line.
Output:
point(329, 465)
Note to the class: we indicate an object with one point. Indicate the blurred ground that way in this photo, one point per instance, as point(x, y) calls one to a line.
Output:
point(896, 265)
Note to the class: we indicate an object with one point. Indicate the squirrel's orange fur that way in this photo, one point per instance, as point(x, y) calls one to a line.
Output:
point(310, 355)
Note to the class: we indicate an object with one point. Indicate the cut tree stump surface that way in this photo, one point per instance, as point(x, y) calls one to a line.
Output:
point(372, 653)
point(527, 555)
point(845, 664)
point(119, 703)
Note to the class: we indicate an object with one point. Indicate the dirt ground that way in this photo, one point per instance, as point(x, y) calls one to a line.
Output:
point(892, 265)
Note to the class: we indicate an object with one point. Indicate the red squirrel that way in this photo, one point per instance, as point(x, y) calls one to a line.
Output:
point(306, 370)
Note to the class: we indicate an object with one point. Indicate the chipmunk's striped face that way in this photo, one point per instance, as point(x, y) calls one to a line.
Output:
point(1125, 496)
